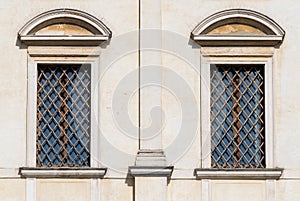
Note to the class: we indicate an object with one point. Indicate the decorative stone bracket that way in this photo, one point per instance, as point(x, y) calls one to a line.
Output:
point(147, 171)
point(151, 163)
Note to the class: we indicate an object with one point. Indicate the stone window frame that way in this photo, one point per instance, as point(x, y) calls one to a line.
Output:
point(33, 62)
point(237, 49)
point(62, 49)
point(238, 59)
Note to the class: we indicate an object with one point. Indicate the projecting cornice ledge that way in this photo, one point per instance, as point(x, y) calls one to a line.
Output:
point(64, 40)
point(27, 172)
point(148, 171)
point(238, 174)
point(227, 40)
point(64, 27)
point(238, 27)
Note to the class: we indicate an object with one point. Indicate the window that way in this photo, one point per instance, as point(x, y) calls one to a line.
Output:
point(238, 51)
point(237, 116)
point(62, 106)
point(63, 69)
point(63, 115)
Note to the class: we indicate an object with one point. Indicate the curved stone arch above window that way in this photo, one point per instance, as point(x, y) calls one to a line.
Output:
point(238, 27)
point(64, 26)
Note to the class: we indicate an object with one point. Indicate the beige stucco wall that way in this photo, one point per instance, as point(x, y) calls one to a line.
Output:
point(288, 190)
point(181, 190)
point(117, 151)
point(237, 190)
point(117, 189)
point(56, 189)
point(12, 189)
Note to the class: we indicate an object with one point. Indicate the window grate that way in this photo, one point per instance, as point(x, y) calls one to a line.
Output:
point(63, 115)
point(237, 116)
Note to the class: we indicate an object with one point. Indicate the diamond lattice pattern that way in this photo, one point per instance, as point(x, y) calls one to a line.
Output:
point(63, 115)
point(237, 116)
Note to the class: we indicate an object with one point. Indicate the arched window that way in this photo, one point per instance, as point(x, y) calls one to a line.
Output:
point(63, 69)
point(237, 61)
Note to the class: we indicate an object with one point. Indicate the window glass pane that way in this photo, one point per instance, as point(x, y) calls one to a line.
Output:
point(63, 115)
point(237, 116)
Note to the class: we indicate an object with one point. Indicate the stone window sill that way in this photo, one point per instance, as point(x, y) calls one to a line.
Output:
point(240, 174)
point(28, 172)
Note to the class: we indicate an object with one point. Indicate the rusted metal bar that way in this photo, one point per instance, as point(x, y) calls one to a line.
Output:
point(236, 119)
point(63, 122)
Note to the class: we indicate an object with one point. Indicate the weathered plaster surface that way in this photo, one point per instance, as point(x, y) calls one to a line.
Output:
point(64, 190)
point(117, 150)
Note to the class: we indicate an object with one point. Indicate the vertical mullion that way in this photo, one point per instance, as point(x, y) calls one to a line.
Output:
point(63, 112)
point(236, 119)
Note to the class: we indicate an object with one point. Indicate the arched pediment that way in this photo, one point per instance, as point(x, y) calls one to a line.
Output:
point(64, 26)
point(238, 27)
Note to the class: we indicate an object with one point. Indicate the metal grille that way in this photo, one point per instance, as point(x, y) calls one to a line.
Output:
point(237, 116)
point(63, 115)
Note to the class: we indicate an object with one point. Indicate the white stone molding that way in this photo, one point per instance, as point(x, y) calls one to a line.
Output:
point(30, 189)
point(222, 56)
point(206, 189)
point(271, 190)
point(95, 189)
point(37, 55)
point(65, 51)
point(150, 22)
point(63, 40)
point(274, 33)
point(150, 160)
point(148, 171)
point(244, 174)
point(67, 16)
point(150, 157)
point(26, 172)
point(206, 40)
